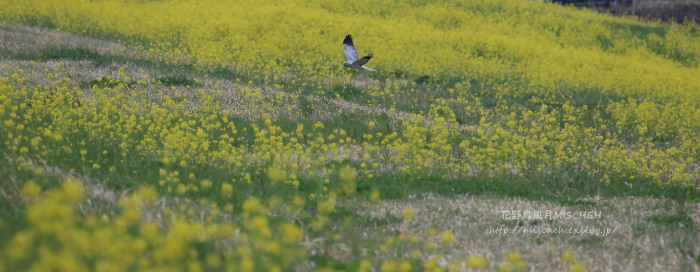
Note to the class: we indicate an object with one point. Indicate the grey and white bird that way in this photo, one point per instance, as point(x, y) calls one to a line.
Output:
point(354, 60)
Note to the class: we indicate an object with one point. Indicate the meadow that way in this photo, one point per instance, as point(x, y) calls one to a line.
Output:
point(207, 135)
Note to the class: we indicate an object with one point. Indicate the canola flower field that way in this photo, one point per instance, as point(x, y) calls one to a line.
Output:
point(212, 135)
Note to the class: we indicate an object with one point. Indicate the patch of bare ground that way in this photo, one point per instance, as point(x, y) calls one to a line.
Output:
point(22, 39)
point(622, 238)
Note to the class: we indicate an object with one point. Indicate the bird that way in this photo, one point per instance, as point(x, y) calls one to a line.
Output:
point(354, 60)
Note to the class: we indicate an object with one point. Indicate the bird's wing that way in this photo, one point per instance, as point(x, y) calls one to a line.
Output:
point(363, 60)
point(349, 48)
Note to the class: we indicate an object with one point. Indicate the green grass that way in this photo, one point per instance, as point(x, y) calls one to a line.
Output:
point(65, 53)
point(671, 221)
point(401, 187)
point(104, 82)
point(178, 80)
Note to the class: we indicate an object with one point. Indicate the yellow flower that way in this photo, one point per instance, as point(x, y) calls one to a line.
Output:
point(364, 266)
point(181, 189)
point(568, 256)
point(72, 190)
point(520, 265)
point(30, 190)
point(275, 174)
point(375, 195)
point(146, 194)
point(389, 265)
point(447, 237)
point(431, 265)
point(505, 267)
point(226, 188)
point(578, 267)
point(213, 261)
point(261, 225)
point(20, 246)
point(319, 222)
point(347, 174)
point(405, 266)
point(291, 233)
point(431, 246)
point(149, 230)
point(251, 205)
point(513, 257)
point(247, 264)
point(407, 214)
point(476, 262)
point(415, 253)
point(326, 206)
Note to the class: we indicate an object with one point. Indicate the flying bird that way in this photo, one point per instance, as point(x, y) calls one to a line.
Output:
point(354, 60)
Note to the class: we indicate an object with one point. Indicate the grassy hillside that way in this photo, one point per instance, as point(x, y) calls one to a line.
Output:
point(208, 135)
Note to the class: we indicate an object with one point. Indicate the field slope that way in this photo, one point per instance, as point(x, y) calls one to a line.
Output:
point(217, 136)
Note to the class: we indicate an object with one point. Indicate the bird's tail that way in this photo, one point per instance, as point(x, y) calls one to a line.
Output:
point(367, 68)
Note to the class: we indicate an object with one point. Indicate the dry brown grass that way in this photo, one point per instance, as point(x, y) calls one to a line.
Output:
point(637, 244)
point(19, 39)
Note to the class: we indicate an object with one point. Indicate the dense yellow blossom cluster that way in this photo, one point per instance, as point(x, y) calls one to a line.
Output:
point(618, 97)
point(504, 90)
point(64, 233)
point(548, 47)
